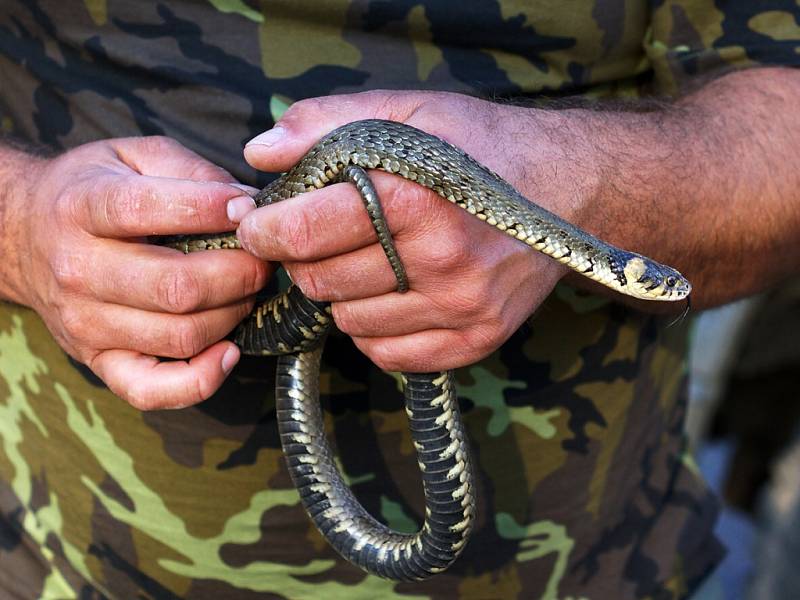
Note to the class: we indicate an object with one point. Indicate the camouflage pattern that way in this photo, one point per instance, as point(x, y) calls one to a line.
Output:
point(585, 488)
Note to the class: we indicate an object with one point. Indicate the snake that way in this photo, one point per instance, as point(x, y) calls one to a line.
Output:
point(293, 327)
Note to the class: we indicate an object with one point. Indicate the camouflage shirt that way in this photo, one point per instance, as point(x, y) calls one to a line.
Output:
point(585, 488)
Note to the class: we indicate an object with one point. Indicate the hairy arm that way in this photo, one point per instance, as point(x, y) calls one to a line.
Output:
point(710, 183)
point(707, 184)
point(18, 171)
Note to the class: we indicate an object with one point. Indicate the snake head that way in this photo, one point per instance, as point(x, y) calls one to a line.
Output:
point(649, 280)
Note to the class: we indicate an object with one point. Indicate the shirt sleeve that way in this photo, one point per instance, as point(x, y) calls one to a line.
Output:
point(692, 38)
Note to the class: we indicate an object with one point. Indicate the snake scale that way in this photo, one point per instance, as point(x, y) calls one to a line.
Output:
point(294, 327)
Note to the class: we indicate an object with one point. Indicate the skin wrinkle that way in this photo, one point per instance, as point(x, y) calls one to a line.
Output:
point(390, 106)
point(124, 156)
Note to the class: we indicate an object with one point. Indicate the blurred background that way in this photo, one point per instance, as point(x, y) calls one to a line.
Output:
point(744, 425)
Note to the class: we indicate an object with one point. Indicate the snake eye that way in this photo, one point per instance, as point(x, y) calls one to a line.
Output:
point(671, 281)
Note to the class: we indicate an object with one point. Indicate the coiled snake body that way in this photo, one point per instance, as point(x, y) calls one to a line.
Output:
point(294, 327)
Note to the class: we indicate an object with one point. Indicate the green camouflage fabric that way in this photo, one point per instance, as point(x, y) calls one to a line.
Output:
point(585, 487)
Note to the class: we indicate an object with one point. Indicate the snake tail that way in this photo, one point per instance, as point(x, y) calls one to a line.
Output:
point(440, 441)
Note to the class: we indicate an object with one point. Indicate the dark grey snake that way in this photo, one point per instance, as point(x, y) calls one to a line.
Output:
point(294, 328)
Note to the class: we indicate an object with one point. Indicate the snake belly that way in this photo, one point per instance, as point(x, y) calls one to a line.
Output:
point(293, 327)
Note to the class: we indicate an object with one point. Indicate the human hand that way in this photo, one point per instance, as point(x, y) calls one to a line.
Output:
point(115, 302)
point(471, 285)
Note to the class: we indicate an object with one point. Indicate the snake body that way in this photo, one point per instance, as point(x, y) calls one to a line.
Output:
point(293, 327)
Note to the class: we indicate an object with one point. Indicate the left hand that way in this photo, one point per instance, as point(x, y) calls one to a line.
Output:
point(471, 285)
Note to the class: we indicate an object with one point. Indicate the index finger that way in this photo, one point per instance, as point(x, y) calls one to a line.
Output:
point(131, 205)
point(332, 220)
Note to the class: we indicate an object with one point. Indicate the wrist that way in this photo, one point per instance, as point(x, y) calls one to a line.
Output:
point(555, 163)
point(604, 172)
point(19, 174)
point(609, 171)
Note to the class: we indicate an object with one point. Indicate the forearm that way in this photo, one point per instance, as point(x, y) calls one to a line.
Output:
point(710, 185)
point(17, 175)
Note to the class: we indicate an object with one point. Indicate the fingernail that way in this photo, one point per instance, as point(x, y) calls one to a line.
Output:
point(247, 189)
point(229, 359)
point(238, 207)
point(269, 137)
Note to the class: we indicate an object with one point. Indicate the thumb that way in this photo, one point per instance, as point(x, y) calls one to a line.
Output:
point(306, 121)
point(161, 156)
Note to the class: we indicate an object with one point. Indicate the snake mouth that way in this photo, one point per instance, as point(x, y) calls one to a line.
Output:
point(647, 279)
point(654, 281)
point(667, 289)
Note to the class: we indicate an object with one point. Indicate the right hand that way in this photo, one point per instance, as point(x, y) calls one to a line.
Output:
point(115, 302)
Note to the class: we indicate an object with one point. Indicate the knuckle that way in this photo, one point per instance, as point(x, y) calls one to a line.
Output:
point(450, 250)
point(78, 205)
point(87, 357)
point(295, 231)
point(241, 310)
point(414, 206)
point(304, 108)
point(304, 276)
point(179, 291)
point(201, 388)
point(250, 279)
point(346, 320)
point(255, 278)
point(118, 206)
point(482, 300)
point(199, 170)
point(139, 395)
point(381, 355)
point(393, 104)
point(69, 209)
point(73, 323)
point(67, 270)
point(186, 338)
point(466, 302)
point(482, 340)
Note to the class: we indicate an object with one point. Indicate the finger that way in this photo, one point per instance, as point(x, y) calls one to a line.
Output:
point(161, 156)
point(249, 190)
point(434, 255)
point(149, 384)
point(171, 336)
point(160, 279)
point(391, 315)
point(306, 121)
point(362, 273)
point(422, 352)
point(118, 206)
point(307, 227)
point(332, 220)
